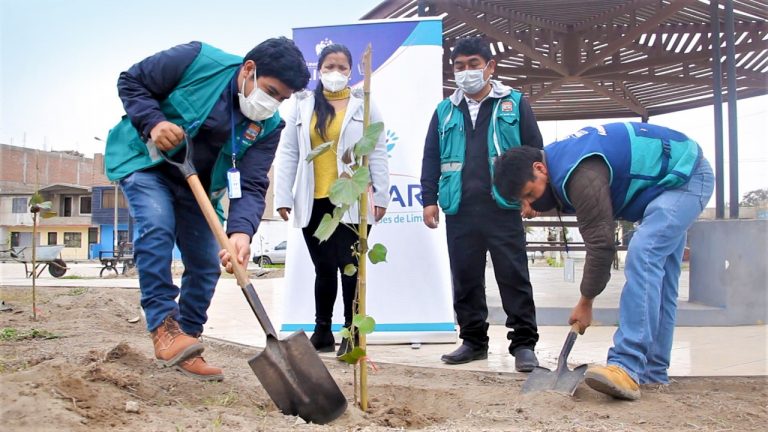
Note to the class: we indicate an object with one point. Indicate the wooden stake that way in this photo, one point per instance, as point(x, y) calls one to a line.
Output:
point(362, 259)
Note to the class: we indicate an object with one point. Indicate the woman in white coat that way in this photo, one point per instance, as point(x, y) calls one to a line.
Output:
point(333, 112)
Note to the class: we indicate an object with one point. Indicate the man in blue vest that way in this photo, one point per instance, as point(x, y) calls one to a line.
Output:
point(630, 171)
point(472, 127)
point(225, 108)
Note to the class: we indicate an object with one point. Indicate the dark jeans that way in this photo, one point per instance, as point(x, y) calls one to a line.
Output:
point(471, 233)
point(166, 214)
point(329, 258)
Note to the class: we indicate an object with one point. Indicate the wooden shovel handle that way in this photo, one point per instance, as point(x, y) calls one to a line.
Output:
point(240, 273)
point(213, 221)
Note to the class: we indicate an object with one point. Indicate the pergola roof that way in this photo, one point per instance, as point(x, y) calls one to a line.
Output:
point(603, 58)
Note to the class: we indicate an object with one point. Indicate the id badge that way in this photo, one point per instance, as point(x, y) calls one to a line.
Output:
point(569, 270)
point(233, 184)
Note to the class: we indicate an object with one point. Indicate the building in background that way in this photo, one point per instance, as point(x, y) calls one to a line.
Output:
point(64, 178)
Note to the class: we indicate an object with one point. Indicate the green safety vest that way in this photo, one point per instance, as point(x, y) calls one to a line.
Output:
point(503, 134)
point(188, 105)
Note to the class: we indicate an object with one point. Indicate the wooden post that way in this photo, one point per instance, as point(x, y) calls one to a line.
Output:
point(362, 258)
point(34, 265)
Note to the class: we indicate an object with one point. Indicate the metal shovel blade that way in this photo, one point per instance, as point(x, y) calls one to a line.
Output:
point(297, 380)
point(290, 371)
point(561, 380)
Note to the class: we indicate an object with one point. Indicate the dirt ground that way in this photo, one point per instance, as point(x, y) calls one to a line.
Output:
point(82, 361)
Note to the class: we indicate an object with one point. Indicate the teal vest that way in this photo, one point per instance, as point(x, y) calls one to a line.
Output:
point(644, 160)
point(503, 134)
point(188, 106)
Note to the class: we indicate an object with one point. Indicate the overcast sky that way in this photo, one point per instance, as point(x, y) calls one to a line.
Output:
point(60, 59)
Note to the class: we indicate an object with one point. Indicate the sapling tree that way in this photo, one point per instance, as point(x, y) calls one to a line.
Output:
point(353, 186)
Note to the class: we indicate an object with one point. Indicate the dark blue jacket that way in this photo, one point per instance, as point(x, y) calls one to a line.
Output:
point(147, 83)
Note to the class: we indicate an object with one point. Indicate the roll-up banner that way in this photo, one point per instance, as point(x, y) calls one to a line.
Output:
point(410, 294)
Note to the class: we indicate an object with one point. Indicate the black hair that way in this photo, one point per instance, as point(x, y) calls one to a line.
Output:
point(514, 169)
point(472, 45)
point(323, 109)
point(280, 58)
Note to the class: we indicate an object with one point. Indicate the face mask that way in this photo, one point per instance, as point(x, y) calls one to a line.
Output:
point(545, 202)
point(258, 105)
point(471, 81)
point(334, 81)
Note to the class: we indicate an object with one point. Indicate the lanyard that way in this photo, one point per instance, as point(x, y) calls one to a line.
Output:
point(232, 132)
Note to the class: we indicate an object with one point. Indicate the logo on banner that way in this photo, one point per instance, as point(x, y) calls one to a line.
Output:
point(392, 140)
point(322, 44)
point(507, 106)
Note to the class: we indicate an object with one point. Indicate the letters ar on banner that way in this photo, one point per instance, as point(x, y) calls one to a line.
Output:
point(410, 294)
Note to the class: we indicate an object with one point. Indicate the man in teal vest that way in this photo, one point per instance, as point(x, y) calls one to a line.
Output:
point(472, 127)
point(630, 171)
point(225, 108)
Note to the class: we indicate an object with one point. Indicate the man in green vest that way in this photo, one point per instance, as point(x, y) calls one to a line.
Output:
point(468, 131)
point(225, 108)
point(630, 171)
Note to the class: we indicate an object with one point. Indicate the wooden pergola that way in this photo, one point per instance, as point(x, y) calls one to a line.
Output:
point(604, 58)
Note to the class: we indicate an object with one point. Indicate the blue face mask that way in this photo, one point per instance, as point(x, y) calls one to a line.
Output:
point(471, 81)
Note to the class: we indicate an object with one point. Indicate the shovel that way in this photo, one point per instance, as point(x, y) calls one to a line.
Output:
point(290, 370)
point(561, 380)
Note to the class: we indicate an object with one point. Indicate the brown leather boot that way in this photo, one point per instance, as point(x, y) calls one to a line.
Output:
point(196, 367)
point(172, 345)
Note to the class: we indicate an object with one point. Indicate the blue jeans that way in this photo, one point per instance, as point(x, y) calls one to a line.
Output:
point(166, 213)
point(648, 307)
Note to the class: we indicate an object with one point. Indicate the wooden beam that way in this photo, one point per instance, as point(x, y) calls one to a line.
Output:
point(671, 59)
point(638, 109)
point(629, 95)
point(662, 79)
point(525, 71)
point(502, 37)
point(513, 15)
point(546, 90)
point(634, 33)
point(527, 81)
point(613, 13)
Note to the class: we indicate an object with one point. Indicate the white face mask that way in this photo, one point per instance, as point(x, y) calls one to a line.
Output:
point(471, 81)
point(334, 81)
point(258, 105)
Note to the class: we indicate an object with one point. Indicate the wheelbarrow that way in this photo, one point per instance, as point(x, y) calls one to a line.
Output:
point(47, 256)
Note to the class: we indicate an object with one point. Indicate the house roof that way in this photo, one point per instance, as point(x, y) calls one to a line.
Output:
point(65, 188)
point(603, 58)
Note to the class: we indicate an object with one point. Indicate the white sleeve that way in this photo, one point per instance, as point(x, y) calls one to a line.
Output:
point(287, 158)
point(378, 163)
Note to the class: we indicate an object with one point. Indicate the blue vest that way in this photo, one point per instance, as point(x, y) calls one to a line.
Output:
point(503, 134)
point(644, 160)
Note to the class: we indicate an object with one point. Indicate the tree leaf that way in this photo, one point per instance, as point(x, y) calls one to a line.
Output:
point(378, 253)
point(45, 205)
point(350, 269)
point(345, 333)
point(353, 356)
point(47, 214)
point(317, 151)
point(348, 190)
point(36, 198)
point(370, 137)
point(365, 324)
point(326, 228)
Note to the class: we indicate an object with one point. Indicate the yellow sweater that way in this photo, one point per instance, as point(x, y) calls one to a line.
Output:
point(326, 170)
